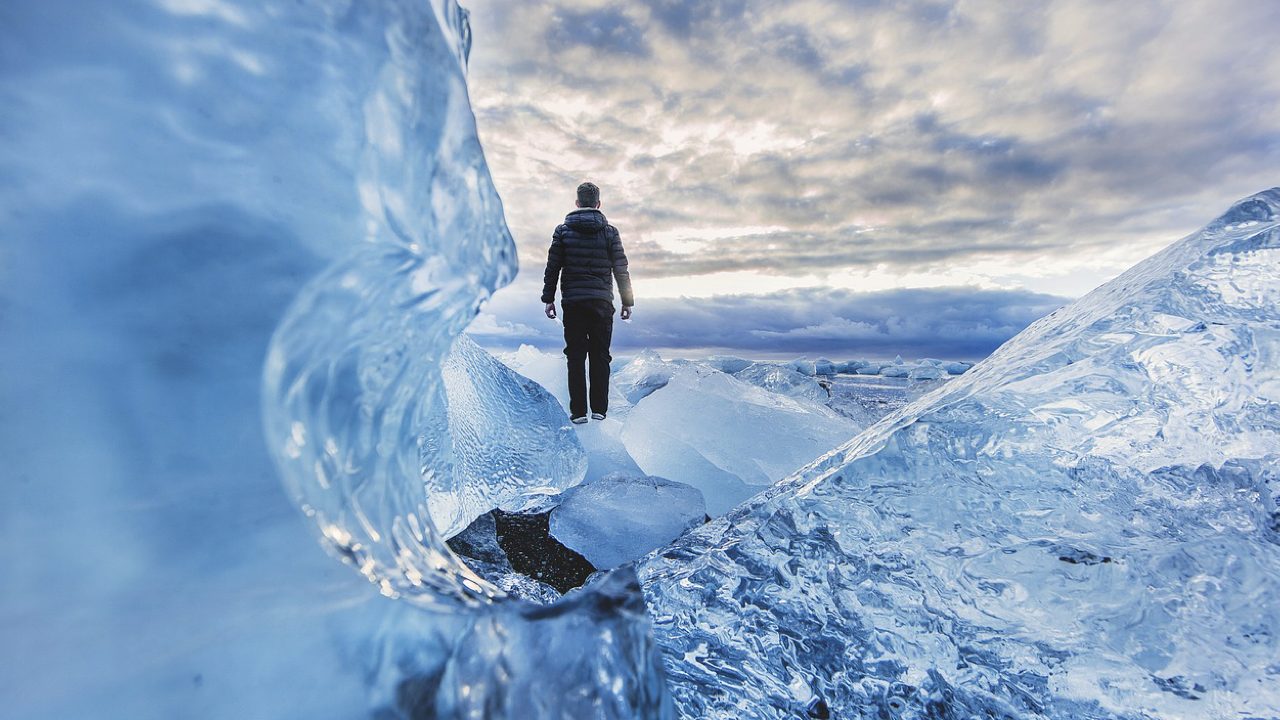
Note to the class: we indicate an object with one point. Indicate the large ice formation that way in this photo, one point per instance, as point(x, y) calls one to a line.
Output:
point(176, 174)
point(1084, 525)
point(389, 444)
point(784, 380)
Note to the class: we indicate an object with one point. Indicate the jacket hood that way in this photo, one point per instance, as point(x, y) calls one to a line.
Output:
point(589, 219)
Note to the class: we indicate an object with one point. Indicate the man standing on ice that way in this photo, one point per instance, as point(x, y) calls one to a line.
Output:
point(585, 256)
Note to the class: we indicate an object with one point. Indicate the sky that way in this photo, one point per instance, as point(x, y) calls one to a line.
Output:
point(866, 178)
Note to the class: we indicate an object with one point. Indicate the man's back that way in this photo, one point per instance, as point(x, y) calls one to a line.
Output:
point(586, 255)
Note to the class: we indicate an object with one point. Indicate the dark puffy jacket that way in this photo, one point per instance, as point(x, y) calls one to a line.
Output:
point(581, 259)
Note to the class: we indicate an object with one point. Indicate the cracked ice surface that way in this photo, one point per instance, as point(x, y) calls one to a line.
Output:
point(1084, 525)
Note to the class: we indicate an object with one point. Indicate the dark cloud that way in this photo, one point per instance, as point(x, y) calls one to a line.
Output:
point(685, 19)
point(957, 323)
point(609, 31)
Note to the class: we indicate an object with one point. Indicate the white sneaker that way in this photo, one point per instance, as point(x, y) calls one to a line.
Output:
point(597, 416)
point(579, 420)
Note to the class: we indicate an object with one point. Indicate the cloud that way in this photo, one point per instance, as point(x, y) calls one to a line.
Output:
point(949, 322)
point(1053, 124)
point(608, 31)
point(1034, 149)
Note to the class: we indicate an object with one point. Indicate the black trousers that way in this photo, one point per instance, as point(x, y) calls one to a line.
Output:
point(588, 330)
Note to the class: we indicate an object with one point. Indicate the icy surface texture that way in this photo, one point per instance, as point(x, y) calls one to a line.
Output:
point(561, 661)
point(866, 399)
point(726, 437)
point(174, 173)
point(602, 441)
point(646, 373)
point(728, 363)
point(1081, 526)
point(783, 380)
point(620, 518)
point(511, 442)
point(353, 375)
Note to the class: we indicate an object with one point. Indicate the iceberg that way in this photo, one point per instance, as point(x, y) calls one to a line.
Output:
point(1083, 525)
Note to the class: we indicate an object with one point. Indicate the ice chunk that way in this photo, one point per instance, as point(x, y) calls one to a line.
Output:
point(1079, 526)
point(511, 441)
point(926, 372)
point(804, 366)
point(896, 371)
point(957, 368)
point(606, 453)
point(783, 380)
point(851, 366)
point(620, 517)
point(823, 366)
point(645, 373)
point(725, 437)
point(178, 175)
point(601, 441)
point(727, 363)
point(524, 355)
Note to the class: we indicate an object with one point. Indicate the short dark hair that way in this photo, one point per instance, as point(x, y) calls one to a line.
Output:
point(588, 195)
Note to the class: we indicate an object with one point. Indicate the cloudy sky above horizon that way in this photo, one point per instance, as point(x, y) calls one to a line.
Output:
point(863, 177)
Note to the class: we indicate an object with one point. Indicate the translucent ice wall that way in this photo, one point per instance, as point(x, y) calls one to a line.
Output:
point(196, 189)
point(1084, 525)
point(353, 378)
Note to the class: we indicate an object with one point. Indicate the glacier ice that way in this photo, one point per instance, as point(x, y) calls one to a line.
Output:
point(1083, 525)
point(602, 441)
point(620, 518)
point(708, 429)
point(176, 175)
point(727, 363)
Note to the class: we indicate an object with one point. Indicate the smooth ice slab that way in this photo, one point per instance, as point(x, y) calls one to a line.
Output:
point(620, 518)
point(726, 437)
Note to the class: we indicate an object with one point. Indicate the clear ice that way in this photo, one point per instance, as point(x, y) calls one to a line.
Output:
point(728, 438)
point(1083, 525)
point(620, 518)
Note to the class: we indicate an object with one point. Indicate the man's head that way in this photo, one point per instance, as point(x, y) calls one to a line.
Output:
point(588, 195)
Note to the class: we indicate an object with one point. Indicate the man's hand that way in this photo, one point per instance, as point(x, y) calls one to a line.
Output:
point(551, 310)
point(626, 312)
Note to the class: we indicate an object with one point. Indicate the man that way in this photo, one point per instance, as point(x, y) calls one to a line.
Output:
point(585, 256)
